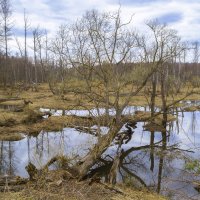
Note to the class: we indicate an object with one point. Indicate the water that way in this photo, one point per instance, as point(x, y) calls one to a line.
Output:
point(94, 112)
point(156, 167)
point(16, 155)
point(174, 179)
point(101, 111)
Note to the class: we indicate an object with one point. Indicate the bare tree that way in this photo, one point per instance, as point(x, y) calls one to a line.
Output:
point(6, 14)
point(101, 49)
point(36, 35)
point(26, 28)
point(59, 48)
point(41, 57)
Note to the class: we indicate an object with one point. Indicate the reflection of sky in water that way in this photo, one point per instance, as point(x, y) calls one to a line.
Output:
point(187, 136)
point(47, 145)
point(101, 111)
point(72, 142)
point(94, 112)
point(189, 130)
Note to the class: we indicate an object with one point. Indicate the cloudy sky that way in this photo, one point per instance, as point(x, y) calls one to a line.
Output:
point(183, 15)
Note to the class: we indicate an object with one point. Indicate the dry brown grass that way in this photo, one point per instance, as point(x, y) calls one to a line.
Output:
point(56, 123)
point(11, 137)
point(146, 116)
point(192, 108)
point(54, 185)
point(133, 194)
point(15, 122)
point(45, 98)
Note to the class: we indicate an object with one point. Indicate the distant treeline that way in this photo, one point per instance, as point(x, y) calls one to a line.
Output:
point(14, 70)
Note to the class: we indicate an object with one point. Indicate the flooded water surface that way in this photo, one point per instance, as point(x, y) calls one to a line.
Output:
point(161, 167)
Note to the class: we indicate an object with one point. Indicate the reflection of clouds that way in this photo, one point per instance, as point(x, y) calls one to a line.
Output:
point(189, 133)
point(173, 177)
point(46, 145)
point(71, 143)
point(170, 17)
point(95, 112)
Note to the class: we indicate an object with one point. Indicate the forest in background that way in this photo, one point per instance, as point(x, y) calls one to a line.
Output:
point(53, 58)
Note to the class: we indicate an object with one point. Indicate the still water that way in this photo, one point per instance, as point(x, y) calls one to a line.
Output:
point(156, 167)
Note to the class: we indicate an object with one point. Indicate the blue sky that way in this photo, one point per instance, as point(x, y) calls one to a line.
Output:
point(182, 15)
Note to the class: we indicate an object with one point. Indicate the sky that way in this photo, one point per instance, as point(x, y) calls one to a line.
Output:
point(182, 15)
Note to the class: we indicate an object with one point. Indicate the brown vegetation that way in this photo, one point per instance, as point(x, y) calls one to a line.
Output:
point(55, 185)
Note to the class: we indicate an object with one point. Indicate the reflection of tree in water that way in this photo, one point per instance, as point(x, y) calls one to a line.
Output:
point(193, 123)
point(152, 150)
point(140, 164)
point(147, 164)
point(7, 158)
point(44, 146)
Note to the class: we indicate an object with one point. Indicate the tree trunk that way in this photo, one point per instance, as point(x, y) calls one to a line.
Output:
point(99, 148)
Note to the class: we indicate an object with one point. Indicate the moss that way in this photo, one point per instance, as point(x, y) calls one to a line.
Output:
point(9, 118)
point(8, 122)
point(54, 123)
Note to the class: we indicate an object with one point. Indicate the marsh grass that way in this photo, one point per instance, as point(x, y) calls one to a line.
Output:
point(45, 98)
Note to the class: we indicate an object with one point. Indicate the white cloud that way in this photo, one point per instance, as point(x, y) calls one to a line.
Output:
point(50, 14)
